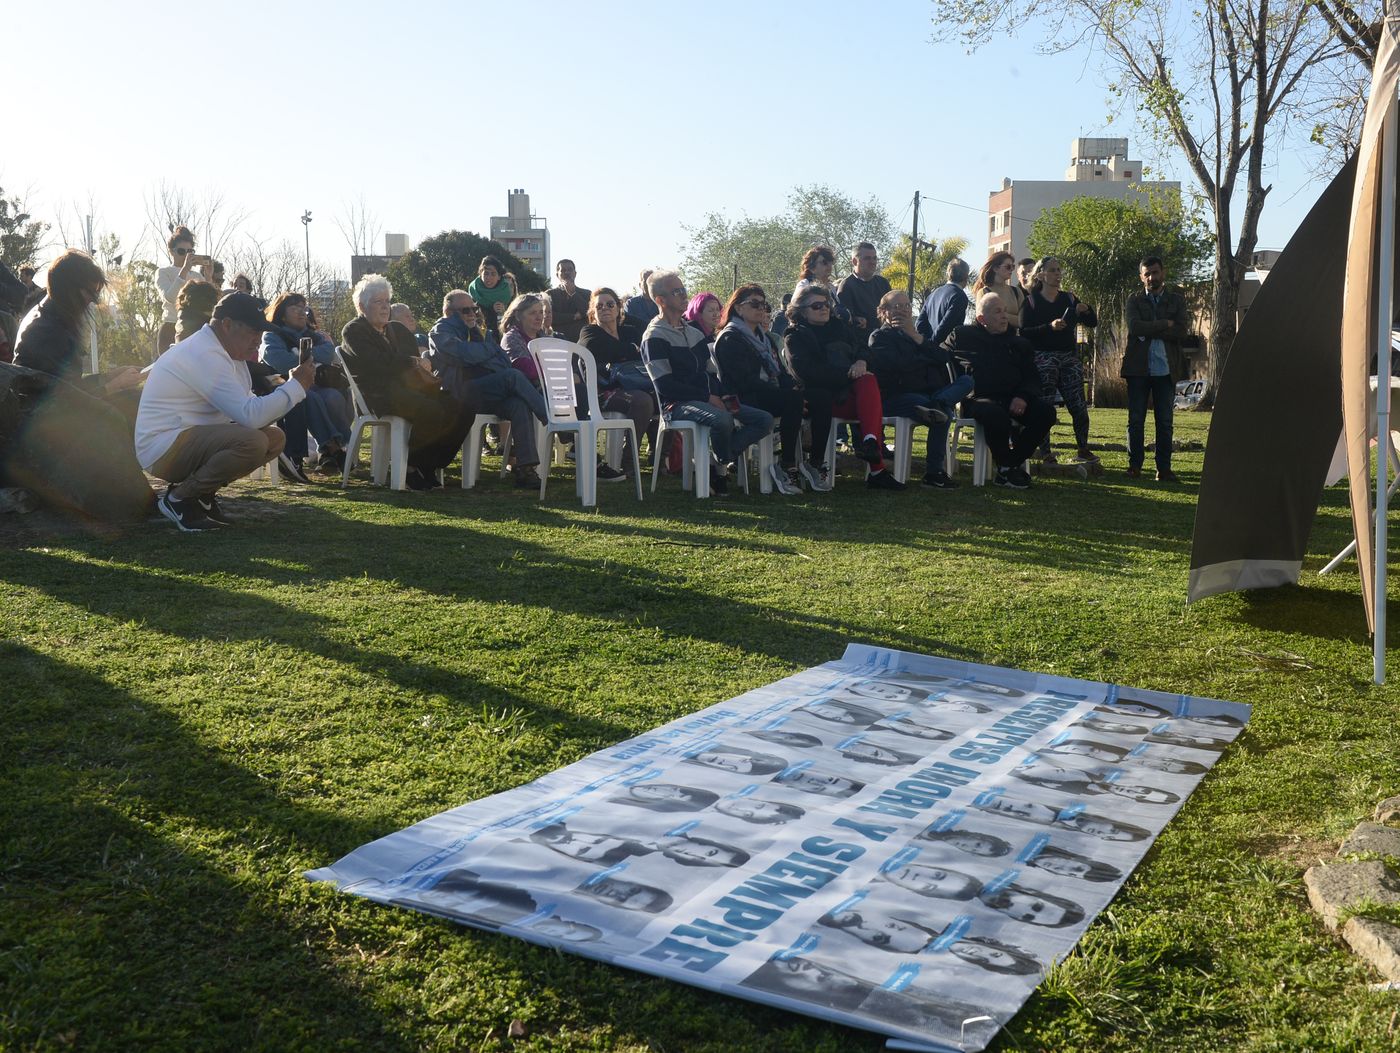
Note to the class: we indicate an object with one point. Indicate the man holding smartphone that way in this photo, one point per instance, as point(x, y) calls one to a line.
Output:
point(200, 426)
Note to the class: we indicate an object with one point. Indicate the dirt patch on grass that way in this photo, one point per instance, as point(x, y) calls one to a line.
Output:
point(1294, 849)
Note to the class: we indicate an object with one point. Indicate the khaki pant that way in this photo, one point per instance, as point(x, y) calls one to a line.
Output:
point(208, 457)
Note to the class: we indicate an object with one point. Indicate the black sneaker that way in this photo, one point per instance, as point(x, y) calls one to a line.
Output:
point(719, 484)
point(213, 512)
point(526, 478)
point(416, 480)
point(608, 474)
point(1015, 478)
point(187, 515)
point(939, 480)
point(293, 468)
point(930, 415)
point(883, 480)
point(872, 450)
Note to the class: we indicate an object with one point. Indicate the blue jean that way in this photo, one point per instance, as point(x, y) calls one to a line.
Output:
point(727, 442)
point(946, 399)
point(509, 394)
point(1163, 394)
point(328, 416)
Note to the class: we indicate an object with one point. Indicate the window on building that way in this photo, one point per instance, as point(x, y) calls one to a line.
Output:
point(1127, 175)
point(992, 225)
point(1006, 220)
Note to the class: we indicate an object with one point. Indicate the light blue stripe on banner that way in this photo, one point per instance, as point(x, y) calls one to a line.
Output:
point(955, 930)
point(901, 978)
point(1006, 877)
point(901, 858)
point(1032, 849)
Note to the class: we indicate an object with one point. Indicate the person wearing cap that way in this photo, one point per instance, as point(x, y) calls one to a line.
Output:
point(200, 426)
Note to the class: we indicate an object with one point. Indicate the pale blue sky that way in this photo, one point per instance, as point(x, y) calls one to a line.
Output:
point(623, 121)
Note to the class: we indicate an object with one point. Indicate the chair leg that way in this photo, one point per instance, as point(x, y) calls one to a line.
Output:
point(699, 461)
point(981, 457)
point(637, 460)
point(586, 466)
point(352, 454)
point(903, 448)
point(656, 458)
point(503, 432)
point(398, 454)
point(688, 459)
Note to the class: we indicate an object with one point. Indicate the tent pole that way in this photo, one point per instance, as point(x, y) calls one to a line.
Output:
point(1384, 288)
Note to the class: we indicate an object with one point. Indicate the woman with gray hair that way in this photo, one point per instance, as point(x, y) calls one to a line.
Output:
point(383, 358)
point(523, 321)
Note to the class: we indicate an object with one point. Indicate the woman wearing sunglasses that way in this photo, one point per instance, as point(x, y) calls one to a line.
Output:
point(835, 382)
point(751, 370)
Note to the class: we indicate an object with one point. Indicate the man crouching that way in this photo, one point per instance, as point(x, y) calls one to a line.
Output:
point(200, 426)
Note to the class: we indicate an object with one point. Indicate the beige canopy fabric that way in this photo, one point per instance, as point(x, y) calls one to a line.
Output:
point(1359, 320)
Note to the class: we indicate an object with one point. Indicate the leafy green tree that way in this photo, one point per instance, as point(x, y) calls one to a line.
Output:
point(130, 315)
point(449, 261)
point(20, 235)
point(723, 253)
point(1218, 85)
point(1099, 242)
point(933, 259)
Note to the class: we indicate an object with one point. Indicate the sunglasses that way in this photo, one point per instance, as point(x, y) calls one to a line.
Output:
point(817, 305)
point(183, 252)
point(466, 310)
point(760, 305)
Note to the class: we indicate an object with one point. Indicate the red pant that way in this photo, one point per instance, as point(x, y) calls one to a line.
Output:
point(863, 404)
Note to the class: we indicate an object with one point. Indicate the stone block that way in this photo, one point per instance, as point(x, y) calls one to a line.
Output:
point(1376, 941)
point(1388, 810)
point(1372, 837)
point(1333, 889)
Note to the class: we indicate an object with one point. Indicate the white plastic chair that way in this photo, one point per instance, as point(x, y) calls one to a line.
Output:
point(903, 444)
point(695, 462)
point(471, 449)
point(555, 358)
point(388, 439)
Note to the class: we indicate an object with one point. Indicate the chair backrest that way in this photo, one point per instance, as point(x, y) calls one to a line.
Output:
point(554, 356)
point(361, 407)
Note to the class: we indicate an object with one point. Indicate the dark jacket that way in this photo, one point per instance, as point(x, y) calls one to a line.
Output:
point(862, 298)
point(1168, 322)
point(452, 344)
point(50, 344)
point(1002, 365)
point(742, 369)
point(1037, 313)
point(379, 362)
point(822, 355)
point(617, 356)
point(903, 366)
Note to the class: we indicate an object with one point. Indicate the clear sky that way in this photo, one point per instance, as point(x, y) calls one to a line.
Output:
point(623, 121)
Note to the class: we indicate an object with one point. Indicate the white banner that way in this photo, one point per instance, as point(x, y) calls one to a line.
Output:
point(892, 841)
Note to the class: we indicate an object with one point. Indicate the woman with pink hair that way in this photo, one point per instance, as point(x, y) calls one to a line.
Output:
point(703, 313)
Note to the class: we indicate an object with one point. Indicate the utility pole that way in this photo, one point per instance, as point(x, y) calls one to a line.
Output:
point(914, 248)
point(306, 223)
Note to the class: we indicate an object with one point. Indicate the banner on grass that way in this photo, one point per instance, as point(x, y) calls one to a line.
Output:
point(892, 841)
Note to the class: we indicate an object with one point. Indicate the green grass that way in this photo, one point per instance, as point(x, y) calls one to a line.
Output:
point(190, 722)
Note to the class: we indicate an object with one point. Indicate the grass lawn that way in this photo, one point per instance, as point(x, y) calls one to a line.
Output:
point(189, 722)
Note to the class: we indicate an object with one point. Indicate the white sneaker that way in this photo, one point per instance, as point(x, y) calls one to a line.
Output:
point(781, 481)
point(818, 476)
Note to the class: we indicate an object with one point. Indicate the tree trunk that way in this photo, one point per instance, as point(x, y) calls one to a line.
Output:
point(1224, 307)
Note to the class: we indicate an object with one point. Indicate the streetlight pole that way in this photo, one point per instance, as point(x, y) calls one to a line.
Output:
point(306, 224)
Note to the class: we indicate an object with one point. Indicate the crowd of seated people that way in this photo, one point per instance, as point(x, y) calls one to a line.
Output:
point(857, 355)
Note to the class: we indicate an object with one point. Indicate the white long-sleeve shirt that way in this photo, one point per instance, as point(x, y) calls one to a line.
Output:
point(195, 383)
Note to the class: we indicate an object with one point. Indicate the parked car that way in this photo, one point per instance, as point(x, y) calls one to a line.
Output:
point(1188, 393)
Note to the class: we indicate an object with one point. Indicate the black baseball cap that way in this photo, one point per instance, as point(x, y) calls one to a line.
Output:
point(242, 307)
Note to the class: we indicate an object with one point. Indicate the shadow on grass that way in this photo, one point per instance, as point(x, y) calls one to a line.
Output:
point(139, 935)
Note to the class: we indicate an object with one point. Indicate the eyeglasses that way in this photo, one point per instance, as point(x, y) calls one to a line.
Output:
point(758, 305)
point(605, 305)
point(183, 252)
point(675, 292)
point(466, 310)
point(817, 305)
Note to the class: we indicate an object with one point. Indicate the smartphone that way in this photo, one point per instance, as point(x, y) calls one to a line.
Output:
point(305, 345)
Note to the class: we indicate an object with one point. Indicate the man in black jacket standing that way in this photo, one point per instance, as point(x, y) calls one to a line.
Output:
point(1151, 362)
point(1007, 389)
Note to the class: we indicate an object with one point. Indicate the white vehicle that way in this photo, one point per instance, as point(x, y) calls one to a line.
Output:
point(1188, 393)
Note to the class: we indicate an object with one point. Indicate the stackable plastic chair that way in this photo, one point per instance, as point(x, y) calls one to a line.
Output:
point(903, 444)
point(471, 449)
point(695, 459)
point(555, 358)
point(388, 439)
